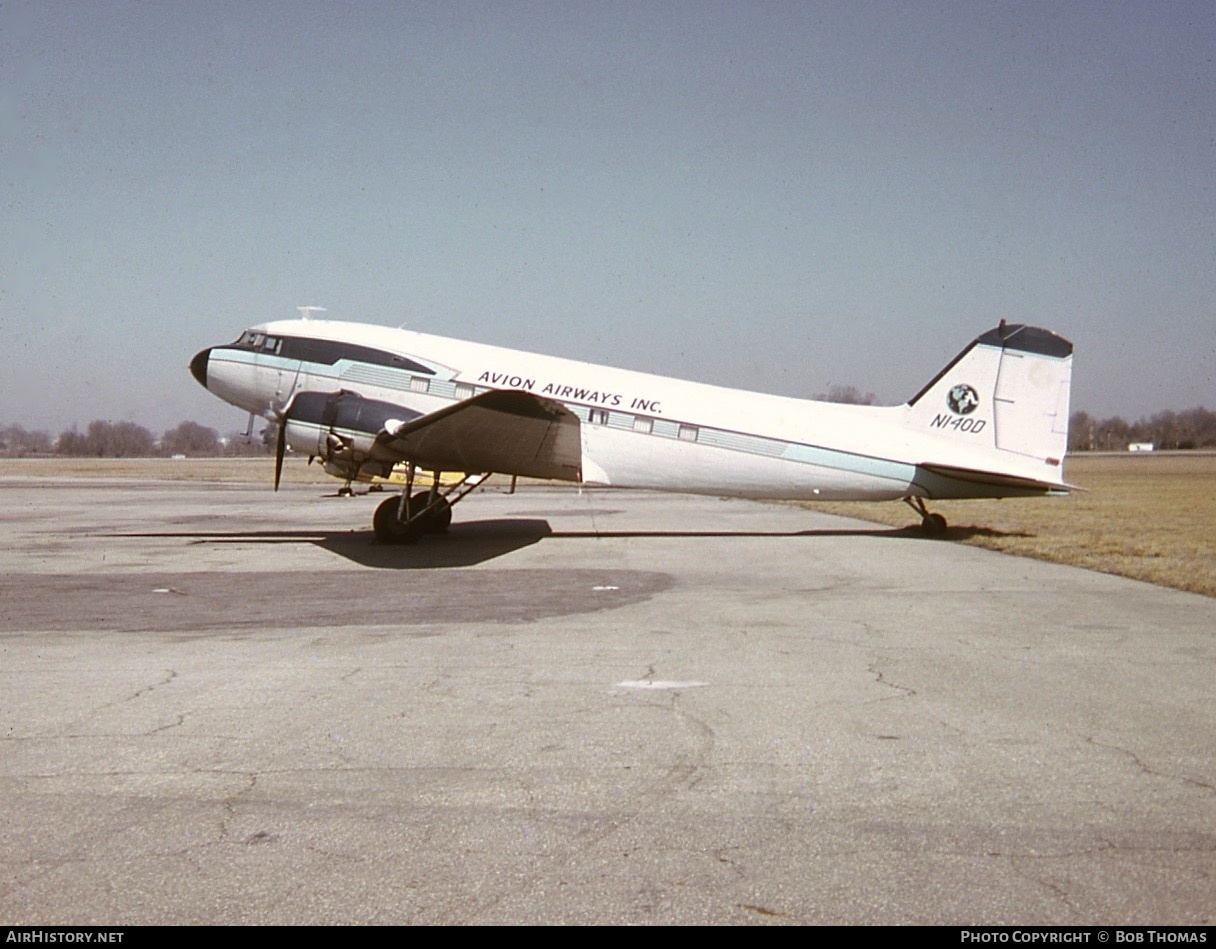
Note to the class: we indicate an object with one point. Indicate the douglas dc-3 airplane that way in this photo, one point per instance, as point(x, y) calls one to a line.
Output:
point(364, 399)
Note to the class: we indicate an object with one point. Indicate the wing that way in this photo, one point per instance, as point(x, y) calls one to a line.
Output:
point(506, 432)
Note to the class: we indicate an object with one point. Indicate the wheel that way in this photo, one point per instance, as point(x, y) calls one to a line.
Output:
point(435, 521)
point(388, 529)
point(934, 525)
point(440, 518)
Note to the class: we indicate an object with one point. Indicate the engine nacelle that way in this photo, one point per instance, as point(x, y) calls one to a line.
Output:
point(340, 428)
point(367, 471)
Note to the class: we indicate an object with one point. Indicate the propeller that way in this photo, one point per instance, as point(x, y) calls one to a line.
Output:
point(280, 445)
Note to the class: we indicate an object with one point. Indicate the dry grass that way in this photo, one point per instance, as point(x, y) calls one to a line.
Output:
point(1150, 517)
point(227, 470)
point(296, 470)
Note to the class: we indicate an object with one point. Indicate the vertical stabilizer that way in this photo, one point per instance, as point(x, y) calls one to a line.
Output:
point(1007, 393)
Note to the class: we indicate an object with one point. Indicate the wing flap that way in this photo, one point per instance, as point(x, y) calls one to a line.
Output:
point(502, 431)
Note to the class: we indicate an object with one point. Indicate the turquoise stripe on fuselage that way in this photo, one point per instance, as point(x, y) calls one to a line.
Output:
point(341, 372)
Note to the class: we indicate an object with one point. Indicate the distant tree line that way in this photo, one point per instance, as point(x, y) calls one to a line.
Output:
point(103, 439)
point(1194, 428)
point(1168, 431)
point(850, 395)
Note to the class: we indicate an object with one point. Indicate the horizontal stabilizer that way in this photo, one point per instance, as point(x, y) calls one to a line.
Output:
point(1002, 484)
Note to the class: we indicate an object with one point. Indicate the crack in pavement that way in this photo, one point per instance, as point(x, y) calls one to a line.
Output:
point(1194, 782)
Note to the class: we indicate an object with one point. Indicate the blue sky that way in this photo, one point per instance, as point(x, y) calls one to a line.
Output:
point(781, 196)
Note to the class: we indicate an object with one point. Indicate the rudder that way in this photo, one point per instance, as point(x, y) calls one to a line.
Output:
point(1007, 391)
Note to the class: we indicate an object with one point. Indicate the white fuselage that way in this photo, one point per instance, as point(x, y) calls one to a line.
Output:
point(637, 430)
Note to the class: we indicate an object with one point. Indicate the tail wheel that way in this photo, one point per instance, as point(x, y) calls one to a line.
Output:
point(931, 525)
point(934, 525)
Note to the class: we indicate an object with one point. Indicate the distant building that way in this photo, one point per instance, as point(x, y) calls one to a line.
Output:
point(1141, 446)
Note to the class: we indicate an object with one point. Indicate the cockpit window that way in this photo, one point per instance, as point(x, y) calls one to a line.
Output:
point(326, 352)
point(259, 342)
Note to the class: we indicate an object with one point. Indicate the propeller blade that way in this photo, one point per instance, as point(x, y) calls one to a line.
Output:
point(280, 447)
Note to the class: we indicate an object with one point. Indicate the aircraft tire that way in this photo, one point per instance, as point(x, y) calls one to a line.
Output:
point(437, 520)
point(934, 525)
point(387, 528)
point(440, 519)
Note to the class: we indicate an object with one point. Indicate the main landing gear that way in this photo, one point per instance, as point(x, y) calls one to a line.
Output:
point(406, 517)
point(932, 525)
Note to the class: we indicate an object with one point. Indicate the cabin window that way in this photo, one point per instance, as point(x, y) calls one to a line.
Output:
point(688, 433)
point(420, 384)
point(464, 391)
point(643, 425)
point(599, 417)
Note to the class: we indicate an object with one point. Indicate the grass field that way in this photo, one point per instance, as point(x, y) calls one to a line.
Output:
point(1150, 517)
point(228, 470)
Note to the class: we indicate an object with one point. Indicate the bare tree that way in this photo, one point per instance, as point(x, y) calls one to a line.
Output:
point(17, 442)
point(107, 440)
point(190, 438)
point(1081, 432)
point(236, 445)
point(1194, 428)
point(847, 394)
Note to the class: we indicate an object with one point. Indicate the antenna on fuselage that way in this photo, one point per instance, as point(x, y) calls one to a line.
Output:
point(306, 312)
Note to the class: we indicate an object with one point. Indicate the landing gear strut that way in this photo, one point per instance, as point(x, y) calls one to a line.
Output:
point(933, 525)
point(405, 518)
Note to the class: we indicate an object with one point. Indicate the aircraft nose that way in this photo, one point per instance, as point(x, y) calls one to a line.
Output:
point(198, 367)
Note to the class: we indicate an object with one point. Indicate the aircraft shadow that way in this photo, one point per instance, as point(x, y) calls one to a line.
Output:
point(464, 545)
point(911, 532)
point(469, 543)
point(965, 533)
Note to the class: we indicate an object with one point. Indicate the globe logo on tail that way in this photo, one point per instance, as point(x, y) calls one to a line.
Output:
point(962, 400)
